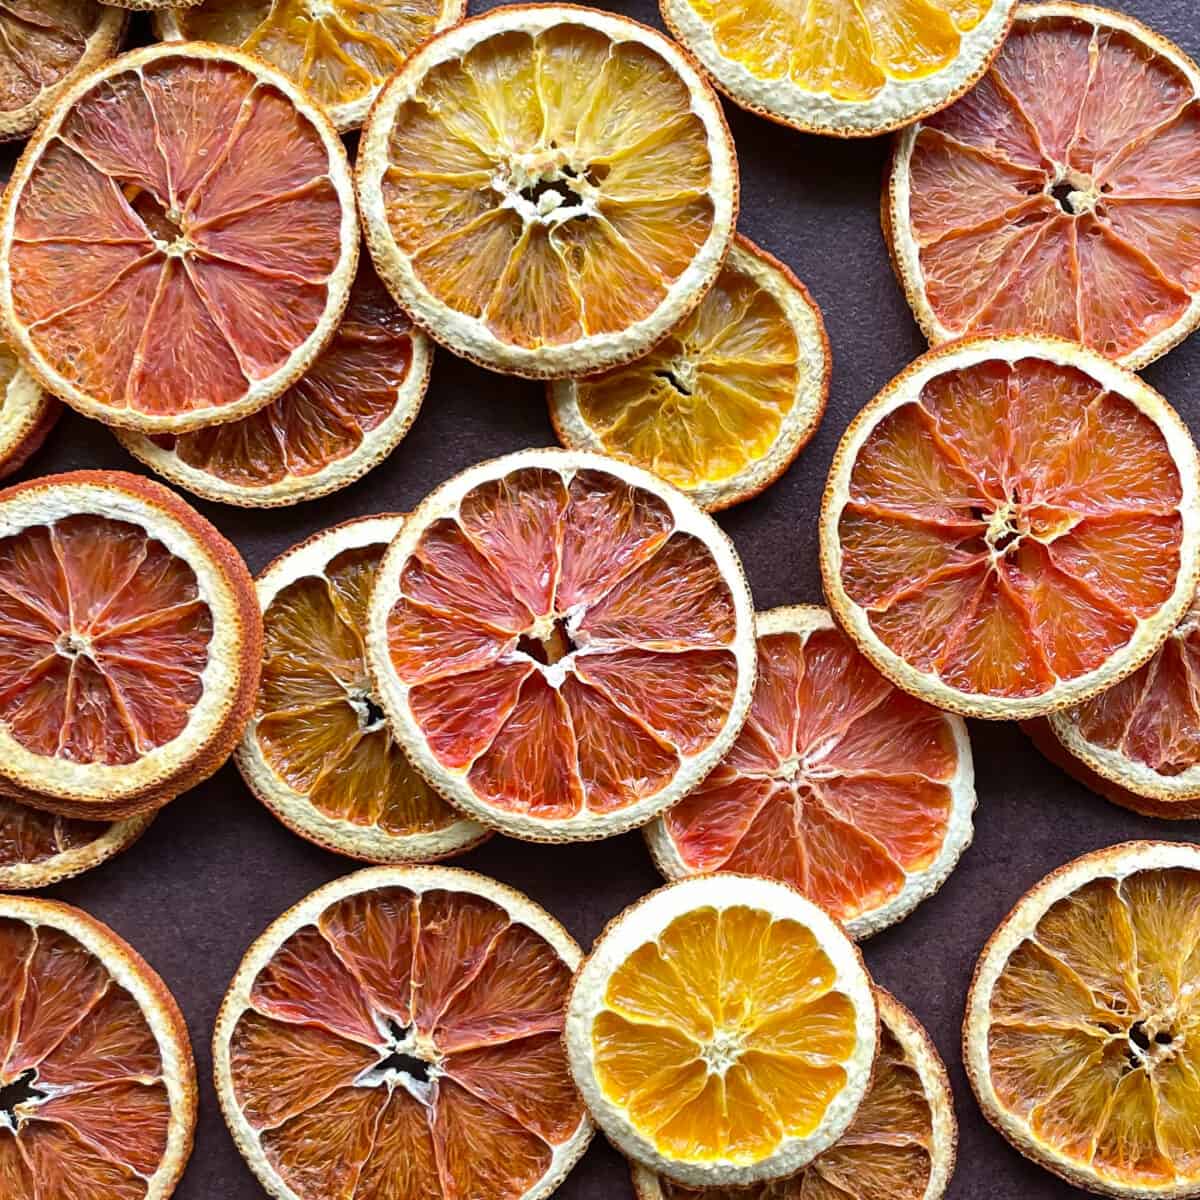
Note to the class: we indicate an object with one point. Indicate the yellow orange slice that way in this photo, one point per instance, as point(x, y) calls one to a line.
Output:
point(723, 1031)
point(1010, 526)
point(548, 189)
point(27, 414)
point(178, 240)
point(722, 406)
point(399, 1034)
point(1082, 1035)
point(839, 784)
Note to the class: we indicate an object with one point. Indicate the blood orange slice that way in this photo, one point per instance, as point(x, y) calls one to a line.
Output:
point(563, 644)
point(178, 239)
point(27, 414)
point(130, 640)
point(97, 1083)
point(1010, 526)
point(1062, 195)
point(343, 417)
point(399, 1033)
point(840, 784)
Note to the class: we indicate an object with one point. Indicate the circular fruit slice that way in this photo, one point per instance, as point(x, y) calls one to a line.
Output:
point(318, 751)
point(842, 67)
point(901, 1144)
point(563, 644)
point(399, 1033)
point(723, 1031)
point(1010, 526)
point(130, 641)
point(27, 414)
point(158, 270)
point(722, 406)
point(1082, 1037)
point(548, 189)
point(843, 786)
point(97, 1083)
point(343, 417)
point(1062, 195)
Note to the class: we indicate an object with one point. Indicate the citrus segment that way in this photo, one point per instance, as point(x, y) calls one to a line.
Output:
point(27, 414)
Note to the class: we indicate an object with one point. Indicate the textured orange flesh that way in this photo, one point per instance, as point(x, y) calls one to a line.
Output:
point(28, 836)
point(41, 42)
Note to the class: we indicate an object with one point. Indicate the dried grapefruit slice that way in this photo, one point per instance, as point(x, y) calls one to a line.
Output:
point(1061, 196)
point(130, 640)
point(97, 1083)
point(901, 1145)
point(178, 239)
point(1010, 526)
point(722, 406)
point(548, 189)
point(399, 1033)
point(1082, 1035)
point(563, 644)
point(343, 417)
point(27, 414)
point(723, 1031)
point(318, 751)
point(843, 786)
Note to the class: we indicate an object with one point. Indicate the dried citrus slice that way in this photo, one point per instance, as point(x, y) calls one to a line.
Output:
point(1082, 1035)
point(563, 644)
point(178, 239)
point(853, 68)
point(343, 417)
point(1062, 195)
point(318, 751)
point(901, 1144)
point(548, 189)
point(722, 406)
point(840, 784)
point(1010, 526)
point(399, 1034)
point(97, 1083)
point(723, 1031)
point(130, 640)
point(27, 414)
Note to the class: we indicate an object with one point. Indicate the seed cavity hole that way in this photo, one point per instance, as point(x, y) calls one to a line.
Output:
point(20, 1091)
point(550, 648)
point(1062, 193)
point(162, 225)
point(674, 380)
point(1138, 1035)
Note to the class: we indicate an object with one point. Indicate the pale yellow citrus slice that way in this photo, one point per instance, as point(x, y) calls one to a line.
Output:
point(27, 414)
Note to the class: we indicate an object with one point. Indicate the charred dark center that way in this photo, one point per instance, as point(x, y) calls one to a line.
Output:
point(20, 1091)
point(548, 648)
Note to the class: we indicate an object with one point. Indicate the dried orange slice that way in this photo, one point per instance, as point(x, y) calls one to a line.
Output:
point(843, 786)
point(399, 1033)
point(1062, 195)
point(27, 414)
point(343, 417)
point(723, 1031)
point(1082, 1035)
point(97, 1082)
point(1010, 526)
point(722, 406)
point(130, 640)
point(548, 189)
point(318, 751)
point(563, 644)
point(159, 269)
point(901, 1145)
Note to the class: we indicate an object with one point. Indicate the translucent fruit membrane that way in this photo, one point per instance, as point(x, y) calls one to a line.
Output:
point(41, 42)
point(1008, 529)
point(28, 837)
point(83, 1108)
point(408, 1045)
point(1062, 195)
point(725, 1036)
point(103, 640)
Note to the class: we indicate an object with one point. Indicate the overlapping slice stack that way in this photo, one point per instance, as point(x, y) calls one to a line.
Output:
point(27, 414)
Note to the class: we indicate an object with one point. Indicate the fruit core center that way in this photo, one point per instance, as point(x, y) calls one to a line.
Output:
point(20, 1092)
point(545, 188)
point(681, 375)
point(1075, 193)
point(406, 1060)
point(1005, 527)
point(549, 641)
point(722, 1051)
point(70, 644)
point(370, 715)
point(1152, 1041)
point(165, 225)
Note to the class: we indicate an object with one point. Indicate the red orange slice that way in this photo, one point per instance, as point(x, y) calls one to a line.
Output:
point(27, 414)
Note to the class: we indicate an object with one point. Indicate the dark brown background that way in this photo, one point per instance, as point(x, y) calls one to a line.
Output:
point(216, 868)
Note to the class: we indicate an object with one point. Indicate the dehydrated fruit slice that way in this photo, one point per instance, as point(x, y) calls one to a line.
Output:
point(1010, 526)
point(839, 784)
point(130, 641)
point(318, 751)
point(27, 414)
point(548, 189)
point(1082, 1029)
point(563, 643)
point(722, 406)
point(399, 1033)
point(343, 417)
point(97, 1082)
point(1062, 195)
point(178, 240)
point(723, 1031)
